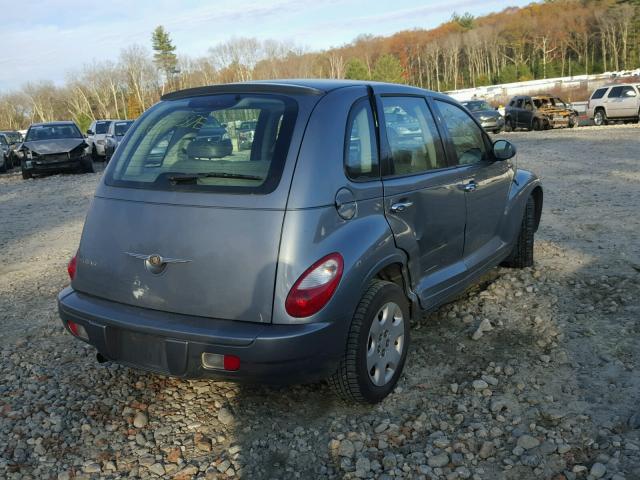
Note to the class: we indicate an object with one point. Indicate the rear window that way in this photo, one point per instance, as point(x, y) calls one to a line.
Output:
point(598, 93)
point(194, 144)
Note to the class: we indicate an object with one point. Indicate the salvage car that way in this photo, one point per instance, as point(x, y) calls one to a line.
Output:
point(54, 147)
point(115, 134)
point(306, 256)
point(490, 119)
point(539, 112)
point(9, 142)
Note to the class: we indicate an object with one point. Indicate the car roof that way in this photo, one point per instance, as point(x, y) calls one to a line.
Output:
point(304, 86)
point(61, 122)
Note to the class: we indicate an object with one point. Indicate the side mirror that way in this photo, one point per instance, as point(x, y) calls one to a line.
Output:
point(223, 125)
point(503, 150)
point(89, 132)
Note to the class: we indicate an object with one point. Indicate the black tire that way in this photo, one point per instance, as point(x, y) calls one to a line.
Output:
point(509, 125)
point(3, 168)
point(87, 165)
point(351, 379)
point(497, 131)
point(600, 117)
point(573, 121)
point(94, 154)
point(26, 175)
point(522, 254)
point(536, 124)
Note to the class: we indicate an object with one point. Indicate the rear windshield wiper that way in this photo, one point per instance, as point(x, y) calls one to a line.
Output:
point(176, 179)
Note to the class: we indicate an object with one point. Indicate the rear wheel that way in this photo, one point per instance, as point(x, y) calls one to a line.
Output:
point(376, 346)
point(522, 254)
point(600, 117)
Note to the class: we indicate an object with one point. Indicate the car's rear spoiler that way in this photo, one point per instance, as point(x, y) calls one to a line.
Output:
point(256, 87)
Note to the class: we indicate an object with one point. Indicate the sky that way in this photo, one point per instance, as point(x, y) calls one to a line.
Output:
point(50, 39)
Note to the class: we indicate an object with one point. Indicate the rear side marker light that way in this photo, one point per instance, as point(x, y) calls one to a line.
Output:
point(78, 330)
point(217, 361)
point(71, 267)
point(315, 287)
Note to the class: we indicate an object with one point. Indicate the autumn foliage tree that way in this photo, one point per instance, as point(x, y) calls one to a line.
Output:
point(543, 39)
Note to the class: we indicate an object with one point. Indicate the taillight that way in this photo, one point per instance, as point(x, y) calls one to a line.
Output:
point(71, 267)
point(315, 287)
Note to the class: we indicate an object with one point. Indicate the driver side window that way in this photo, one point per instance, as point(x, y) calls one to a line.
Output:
point(465, 134)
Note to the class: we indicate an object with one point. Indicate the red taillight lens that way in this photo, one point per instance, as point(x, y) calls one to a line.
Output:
point(78, 330)
point(315, 287)
point(231, 362)
point(71, 267)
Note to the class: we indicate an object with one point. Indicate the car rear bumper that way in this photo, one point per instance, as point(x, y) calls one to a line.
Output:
point(173, 344)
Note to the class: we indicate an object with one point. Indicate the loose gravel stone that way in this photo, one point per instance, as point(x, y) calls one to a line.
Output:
point(558, 363)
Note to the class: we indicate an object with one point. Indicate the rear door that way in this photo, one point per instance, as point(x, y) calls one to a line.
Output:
point(628, 102)
point(486, 183)
point(191, 227)
point(423, 202)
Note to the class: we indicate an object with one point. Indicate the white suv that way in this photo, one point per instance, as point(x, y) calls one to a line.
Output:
point(615, 102)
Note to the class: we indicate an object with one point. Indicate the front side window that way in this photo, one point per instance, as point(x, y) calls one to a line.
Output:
point(615, 92)
point(415, 144)
point(520, 103)
point(361, 150)
point(464, 132)
point(599, 93)
point(194, 144)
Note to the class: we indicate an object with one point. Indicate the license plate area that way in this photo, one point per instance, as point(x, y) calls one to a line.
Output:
point(142, 350)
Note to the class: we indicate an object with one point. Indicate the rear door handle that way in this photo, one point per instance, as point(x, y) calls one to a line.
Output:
point(470, 187)
point(400, 206)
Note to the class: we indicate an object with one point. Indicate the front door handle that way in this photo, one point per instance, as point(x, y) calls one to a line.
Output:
point(471, 186)
point(400, 206)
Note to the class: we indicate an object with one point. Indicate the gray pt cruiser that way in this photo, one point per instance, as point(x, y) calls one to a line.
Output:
point(305, 254)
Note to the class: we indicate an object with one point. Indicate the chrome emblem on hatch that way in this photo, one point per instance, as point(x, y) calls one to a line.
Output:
point(155, 263)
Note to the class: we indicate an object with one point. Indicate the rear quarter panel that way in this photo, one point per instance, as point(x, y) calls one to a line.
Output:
point(524, 185)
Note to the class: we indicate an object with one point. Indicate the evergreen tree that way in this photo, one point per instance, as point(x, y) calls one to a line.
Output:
point(164, 56)
point(356, 70)
point(388, 69)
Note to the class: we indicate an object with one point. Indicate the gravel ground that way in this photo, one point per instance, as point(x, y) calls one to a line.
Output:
point(530, 375)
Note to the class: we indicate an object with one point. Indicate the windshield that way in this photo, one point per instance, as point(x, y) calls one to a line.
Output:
point(102, 127)
point(52, 132)
point(194, 144)
point(477, 106)
point(120, 128)
point(13, 137)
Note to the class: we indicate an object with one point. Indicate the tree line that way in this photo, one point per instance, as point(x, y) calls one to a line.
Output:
point(542, 40)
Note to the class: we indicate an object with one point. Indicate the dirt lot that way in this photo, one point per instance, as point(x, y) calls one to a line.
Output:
point(550, 391)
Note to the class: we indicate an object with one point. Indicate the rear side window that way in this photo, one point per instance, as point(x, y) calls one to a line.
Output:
point(361, 148)
point(615, 92)
point(415, 144)
point(464, 132)
point(598, 93)
point(627, 92)
point(196, 144)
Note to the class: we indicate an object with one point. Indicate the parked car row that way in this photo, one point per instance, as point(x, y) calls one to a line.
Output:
point(618, 102)
point(54, 147)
